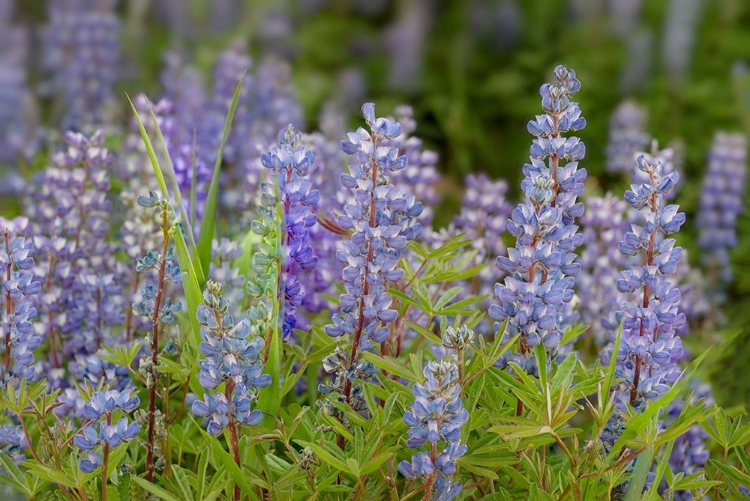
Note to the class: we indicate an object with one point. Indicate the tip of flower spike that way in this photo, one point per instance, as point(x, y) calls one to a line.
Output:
point(368, 110)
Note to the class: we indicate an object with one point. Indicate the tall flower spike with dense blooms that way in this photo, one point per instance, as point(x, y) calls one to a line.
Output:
point(69, 211)
point(82, 54)
point(721, 202)
point(290, 164)
point(382, 220)
point(542, 265)
point(18, 284)
point(627, 137)
point(436, 418)
point(232, 357)
point(649, 349)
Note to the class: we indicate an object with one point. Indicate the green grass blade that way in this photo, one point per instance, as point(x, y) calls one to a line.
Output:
point(193, 181)
point(190, 285)
point(205, 239)
point(197, 265)
point(150, 151)
point(640, 475)
point(270, 399)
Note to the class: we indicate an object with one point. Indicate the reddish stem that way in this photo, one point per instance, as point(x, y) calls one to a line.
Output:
point(365, 290)
point(233, 441)
point(151, 435)
point(646, 293)
point(8, 305)
point(105, 462)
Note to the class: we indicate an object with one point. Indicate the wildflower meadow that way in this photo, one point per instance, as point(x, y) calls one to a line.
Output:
point(383, 250)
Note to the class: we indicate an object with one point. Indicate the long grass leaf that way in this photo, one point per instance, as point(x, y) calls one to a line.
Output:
point(169, 169)
point(205, 239)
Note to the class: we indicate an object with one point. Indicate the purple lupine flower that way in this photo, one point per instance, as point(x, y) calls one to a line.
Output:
point(17, 286)
point(82, 55)
point(17, 117)
point(680, 26)
point(436, 417)
point(420, 176)
point(231, 357)
point(12, 442)
point(604, 225)
point(382, 220)
point(649, 348)
point(290, 165)
point(227, 72)
point(81, 275)
point(541, 267)
point(325, 171)
point(670, 158)
point(101, 434)
point(689, 453)
point(721, 202)
point(626, 136)
point(483, 219)
point(405, 42)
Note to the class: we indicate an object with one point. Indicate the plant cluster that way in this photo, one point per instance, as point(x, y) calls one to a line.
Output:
point(231, 308)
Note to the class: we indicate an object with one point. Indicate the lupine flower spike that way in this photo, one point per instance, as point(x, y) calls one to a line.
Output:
point(541, 266)
point(382, 220)
point(290, 164)
point(649, 348)
point(435, 419)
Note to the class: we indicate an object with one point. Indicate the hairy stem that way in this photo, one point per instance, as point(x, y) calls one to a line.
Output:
point(151, 434)
point(105, 462)
point(233, 441)
point(646, 295)
point(365, 289)
point(8, 305)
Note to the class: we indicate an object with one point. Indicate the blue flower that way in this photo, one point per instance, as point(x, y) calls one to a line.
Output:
point(232, 357)
point(381, 219)
point(436, 417)
point(535, 296)
point(290, 165)
point(650, 348)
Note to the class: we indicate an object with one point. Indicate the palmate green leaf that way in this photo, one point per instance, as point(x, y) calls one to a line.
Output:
point(205, 239)
point(13, 476)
